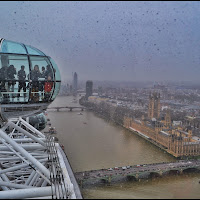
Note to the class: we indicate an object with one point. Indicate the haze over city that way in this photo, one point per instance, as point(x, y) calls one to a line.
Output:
point(117, 41)
point(99, 100)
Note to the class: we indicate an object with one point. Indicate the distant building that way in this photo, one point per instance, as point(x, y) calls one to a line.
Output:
point(177, 123)
point(89, 89)
point(171, 136)
point(70, 88)
point(100, 90)
point(154, 106)
point(158, 86)
point(175, 140)
point(75, 82)
point(164, 108)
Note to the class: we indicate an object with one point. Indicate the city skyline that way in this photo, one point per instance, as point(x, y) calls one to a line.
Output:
point(117, 41)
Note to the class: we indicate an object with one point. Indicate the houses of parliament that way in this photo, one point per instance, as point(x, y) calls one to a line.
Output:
point(175, 139)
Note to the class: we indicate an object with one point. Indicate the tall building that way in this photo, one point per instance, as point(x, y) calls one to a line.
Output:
point(89, 89)
point(75, 82)
point(154, 106)
point(70, 88)
point(168, 120)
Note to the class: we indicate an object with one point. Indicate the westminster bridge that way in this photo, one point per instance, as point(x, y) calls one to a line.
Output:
point(135, 173)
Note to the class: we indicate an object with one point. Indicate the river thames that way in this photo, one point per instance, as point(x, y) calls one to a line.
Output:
point(93, 143)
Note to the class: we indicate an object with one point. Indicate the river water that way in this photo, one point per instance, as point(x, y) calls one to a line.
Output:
point(93, 143)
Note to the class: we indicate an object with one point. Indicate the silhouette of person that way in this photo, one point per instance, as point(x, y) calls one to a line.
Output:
point(3, 83)
point(41, 84)
point(48, 88)
point(11, 72)
point(35, 75)
point(22, 81)
point(43, 72)
point(48, 72)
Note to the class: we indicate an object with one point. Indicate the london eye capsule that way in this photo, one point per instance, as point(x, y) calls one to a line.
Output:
point(29, 80)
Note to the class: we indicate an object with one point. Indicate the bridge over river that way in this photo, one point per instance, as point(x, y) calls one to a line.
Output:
point(67, 107)
point(137, 172)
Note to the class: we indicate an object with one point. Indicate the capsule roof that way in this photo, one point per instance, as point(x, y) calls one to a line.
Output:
point(7, 46)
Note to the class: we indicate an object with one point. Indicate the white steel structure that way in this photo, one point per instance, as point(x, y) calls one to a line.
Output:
point(31, 164)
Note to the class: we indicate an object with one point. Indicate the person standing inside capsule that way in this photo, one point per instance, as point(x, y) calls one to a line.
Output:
point(22, 81)
point(41, 83)
point(4, 83)
point(48, 72)
point(43, 72)
point(11, 72)
point(35, 75)
point(48, 88)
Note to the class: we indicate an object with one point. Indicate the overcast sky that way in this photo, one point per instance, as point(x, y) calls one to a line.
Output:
point(107, 40)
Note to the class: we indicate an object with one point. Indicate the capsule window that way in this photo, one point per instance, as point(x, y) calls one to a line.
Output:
point(56, 70)
point(34, 51)
point(41, 79)
point(57, 89)
point(14, 71)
